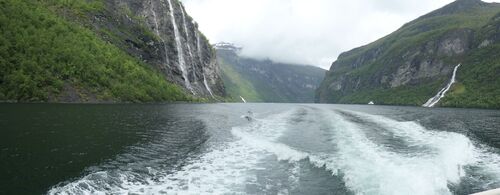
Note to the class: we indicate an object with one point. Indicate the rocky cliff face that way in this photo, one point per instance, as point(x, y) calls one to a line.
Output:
point(162, 34)
point(411, 64)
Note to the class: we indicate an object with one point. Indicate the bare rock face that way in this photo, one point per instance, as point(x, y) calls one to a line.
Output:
point(162, 34)
point(428, 60)
point(425, 61)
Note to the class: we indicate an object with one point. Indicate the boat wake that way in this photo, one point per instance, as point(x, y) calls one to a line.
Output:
point(438, 162)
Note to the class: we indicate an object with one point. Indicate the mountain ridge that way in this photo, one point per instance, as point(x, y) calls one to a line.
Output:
point(265, 80)
point(409, 65)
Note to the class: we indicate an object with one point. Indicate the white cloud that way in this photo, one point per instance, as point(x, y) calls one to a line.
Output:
point(305, 32)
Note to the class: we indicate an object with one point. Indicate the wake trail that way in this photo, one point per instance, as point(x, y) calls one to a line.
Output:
point(448, 162)
point(226, 169)
point(382, 136)
point(355, 147)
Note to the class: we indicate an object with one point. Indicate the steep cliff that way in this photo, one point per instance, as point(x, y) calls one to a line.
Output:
point(410, 65)
point(178, 49)
point(265, 80)
point(96, 50)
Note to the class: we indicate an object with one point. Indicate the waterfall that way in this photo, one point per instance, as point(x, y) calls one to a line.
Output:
point(187, 43)
point(180, 52)
point(206, 86)
point(198, 49)
point(243, 99)
point(157, 31)
point(434, 100)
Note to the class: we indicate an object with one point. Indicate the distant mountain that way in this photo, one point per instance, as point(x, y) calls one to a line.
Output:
point(414, 63)
point(265, 80)
point(95, 50)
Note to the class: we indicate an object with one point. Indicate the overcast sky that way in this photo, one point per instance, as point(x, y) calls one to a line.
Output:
point(311, 32)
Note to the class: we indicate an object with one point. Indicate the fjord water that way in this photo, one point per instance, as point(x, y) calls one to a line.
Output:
point(211, 149)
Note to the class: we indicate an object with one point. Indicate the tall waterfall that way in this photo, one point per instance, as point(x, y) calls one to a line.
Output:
point(180, 52)
point(157, 31)
point(434, 100)
point(206, 85)
point(198, 49)
point(193, 65)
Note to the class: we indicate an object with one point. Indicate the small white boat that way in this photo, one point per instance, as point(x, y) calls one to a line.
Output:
point(371, 103)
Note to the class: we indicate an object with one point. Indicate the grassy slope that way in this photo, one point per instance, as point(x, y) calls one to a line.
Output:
point(479, 78)
point(478, 75)
point(237, 86)
point(420, 31)
point(273, 86)
point(478, 81)
point(40, 52)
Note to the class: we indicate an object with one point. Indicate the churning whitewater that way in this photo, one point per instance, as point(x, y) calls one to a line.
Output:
point(301, 150)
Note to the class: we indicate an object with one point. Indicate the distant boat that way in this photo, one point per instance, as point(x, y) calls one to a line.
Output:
point(371, 103)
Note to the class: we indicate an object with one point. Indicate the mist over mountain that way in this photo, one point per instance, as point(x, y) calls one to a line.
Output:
point(259, 80)
point(303, 32)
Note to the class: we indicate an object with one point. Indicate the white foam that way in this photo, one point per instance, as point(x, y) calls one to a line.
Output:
point(366, 168)
point(372, 169)
point(282, 151)
point(227, 170)
point(224, 170)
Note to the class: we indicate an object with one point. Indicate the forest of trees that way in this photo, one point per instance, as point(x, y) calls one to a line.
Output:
point(41, 51)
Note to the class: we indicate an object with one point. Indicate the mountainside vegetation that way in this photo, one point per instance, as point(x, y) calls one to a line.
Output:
point(266, 81)
point(44, 57)
point(99, 51)
point(412, 64)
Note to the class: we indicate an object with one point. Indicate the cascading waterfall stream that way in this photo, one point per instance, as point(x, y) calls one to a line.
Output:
point(206, 86)
point(198, 48)
point(434, 100)
point(157, 31)
point(188, 45)
point(180, 52)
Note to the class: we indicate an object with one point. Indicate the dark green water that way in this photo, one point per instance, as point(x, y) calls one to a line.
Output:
point(44, 144)
point(210, 149)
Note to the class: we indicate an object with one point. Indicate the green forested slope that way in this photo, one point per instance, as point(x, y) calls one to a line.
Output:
point(237, 85)
point(412, 64)
point(46, 57)
point(267, 81)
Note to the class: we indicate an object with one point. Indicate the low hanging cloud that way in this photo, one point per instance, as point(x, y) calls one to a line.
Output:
point(310, 32)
